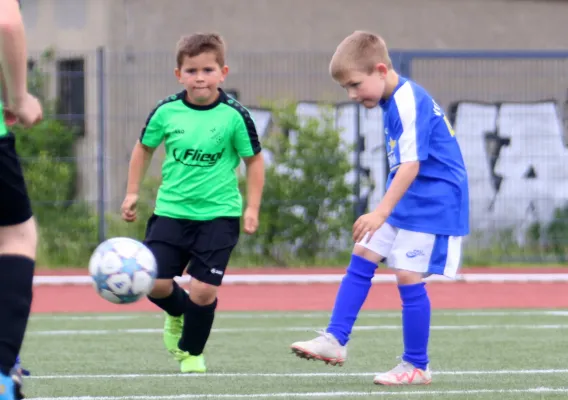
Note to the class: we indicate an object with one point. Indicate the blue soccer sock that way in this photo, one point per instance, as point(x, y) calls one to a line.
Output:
point(352, 294)
point(7, 384)
point(415, 323)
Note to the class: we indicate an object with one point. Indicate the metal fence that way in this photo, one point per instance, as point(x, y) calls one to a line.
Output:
point(508, 110)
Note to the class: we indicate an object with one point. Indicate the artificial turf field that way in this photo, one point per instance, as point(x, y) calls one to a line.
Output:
point(475, 354)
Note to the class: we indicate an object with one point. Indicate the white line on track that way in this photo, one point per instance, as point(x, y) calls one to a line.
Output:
point(293, 329)
point(299, 315)
point(537, 390)
point(296, 375)
point(303, 279)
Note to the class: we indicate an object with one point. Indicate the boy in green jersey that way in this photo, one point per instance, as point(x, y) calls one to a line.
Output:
point(196, 221)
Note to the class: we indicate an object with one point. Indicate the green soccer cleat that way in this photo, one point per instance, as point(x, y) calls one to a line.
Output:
point(193, 364)
point(173, 327)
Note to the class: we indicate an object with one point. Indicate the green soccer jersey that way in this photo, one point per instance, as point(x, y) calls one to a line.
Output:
point(3, 127)
point(204, 146)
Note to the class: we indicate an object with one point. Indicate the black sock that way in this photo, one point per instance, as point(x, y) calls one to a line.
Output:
point(16, 290)
point(197, 323)
point(175, 304)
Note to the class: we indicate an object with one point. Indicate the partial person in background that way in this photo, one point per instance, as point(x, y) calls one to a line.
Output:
point(18, 235)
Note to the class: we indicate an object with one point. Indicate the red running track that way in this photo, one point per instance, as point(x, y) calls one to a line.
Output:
point(320, 297)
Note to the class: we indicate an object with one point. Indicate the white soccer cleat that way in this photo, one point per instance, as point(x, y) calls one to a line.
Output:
point(325, 348)
point(404, 374)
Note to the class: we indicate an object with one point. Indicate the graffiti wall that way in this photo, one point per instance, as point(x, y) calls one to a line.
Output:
point(515, 153)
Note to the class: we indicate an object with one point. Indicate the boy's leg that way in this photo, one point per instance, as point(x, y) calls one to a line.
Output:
point(330, 346)
point(213, 244)
point(413, 370)
point(414, 256)
point(162, 238)
point(17, 374)
point(18, 241)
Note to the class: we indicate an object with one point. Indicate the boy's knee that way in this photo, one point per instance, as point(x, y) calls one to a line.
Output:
point(162, 288)
point(202, 293)
point(19, 239)
point(367, 254)
point(408, 277)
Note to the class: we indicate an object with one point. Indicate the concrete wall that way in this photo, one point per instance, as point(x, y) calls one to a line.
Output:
point(291, 25)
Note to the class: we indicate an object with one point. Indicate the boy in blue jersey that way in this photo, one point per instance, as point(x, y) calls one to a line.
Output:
point(418, 226)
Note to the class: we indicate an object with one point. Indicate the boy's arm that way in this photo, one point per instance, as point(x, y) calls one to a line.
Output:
point(369, 223)
point(413, 125)
point(404, 177)
point(245, 141)
point(139, 162)
point(3, 92)
point(255, 180)
point(13, 53)
point(255, 185)
point(150, 138)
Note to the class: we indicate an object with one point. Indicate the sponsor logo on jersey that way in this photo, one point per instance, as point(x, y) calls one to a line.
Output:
point(197, 157)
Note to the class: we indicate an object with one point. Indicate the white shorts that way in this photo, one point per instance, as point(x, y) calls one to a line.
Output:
point(425, 253)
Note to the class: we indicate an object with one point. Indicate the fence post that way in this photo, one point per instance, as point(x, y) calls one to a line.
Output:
point(101, 143)
point(358, 144)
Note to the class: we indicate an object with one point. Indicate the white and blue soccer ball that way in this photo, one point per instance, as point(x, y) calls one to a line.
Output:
point(123, 270)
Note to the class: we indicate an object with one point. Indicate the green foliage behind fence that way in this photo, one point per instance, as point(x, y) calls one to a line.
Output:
point(309, 169)
point(307, 210)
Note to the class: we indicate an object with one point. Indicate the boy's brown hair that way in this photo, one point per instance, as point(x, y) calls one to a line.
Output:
point(360, 51)
point(198, 43)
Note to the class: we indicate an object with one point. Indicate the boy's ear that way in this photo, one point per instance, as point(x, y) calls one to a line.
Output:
point(177, 73)
point(382, 69)
point(224, 72)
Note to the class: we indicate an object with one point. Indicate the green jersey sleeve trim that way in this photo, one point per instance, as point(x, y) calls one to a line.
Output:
point(247, 121)
point(152, 133)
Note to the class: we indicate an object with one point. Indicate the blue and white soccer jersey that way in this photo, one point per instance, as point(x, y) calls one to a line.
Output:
point(424, 232)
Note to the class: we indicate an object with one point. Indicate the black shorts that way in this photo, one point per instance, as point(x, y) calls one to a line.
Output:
point(15, 206)
point(205, 245)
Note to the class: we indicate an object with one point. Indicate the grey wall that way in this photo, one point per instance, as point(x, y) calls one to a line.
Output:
point(272, 25)
point(281, 49)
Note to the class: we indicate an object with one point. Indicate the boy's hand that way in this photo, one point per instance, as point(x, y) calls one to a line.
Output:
point(128, 208)
point(28, 113)
point(10, 118)
point(251, 220)
point(367, 223)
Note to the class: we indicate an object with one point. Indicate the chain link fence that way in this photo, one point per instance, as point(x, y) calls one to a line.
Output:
point(507, 110)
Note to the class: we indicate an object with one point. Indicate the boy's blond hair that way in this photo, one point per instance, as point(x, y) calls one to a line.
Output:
point(198, 43)
point(361, 51)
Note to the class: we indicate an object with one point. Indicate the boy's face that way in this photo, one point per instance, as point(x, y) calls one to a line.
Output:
point(366, 89)
point(201, 76)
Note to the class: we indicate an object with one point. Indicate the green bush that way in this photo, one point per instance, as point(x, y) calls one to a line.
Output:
point(306, 208)
point(552, 238)
point(541, 243)
point(67, 229)
point(557, 232)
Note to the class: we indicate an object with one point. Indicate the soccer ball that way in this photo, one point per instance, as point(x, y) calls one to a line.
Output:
point(123, 270)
